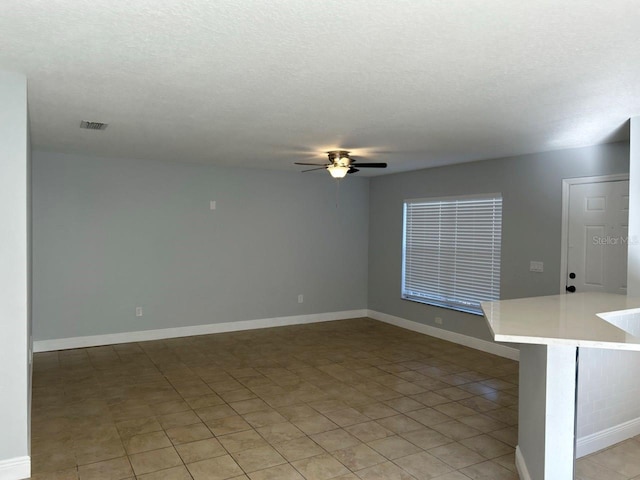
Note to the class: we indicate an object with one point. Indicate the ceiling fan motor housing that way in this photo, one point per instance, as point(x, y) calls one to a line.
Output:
point(340, 157)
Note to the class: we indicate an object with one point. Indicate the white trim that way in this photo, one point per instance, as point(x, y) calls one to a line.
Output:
point(467, 341)
point(607, 437)
point(521, 465)
point(15, 468)
point(453, 198)
point(564, 237)
point(145, 335)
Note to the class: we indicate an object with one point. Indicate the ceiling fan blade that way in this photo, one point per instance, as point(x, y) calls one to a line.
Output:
point(312, 169)
point(371, 165)
point(304, 163)
point(352, 170)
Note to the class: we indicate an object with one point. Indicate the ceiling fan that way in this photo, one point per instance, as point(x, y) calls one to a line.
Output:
point(341, 163)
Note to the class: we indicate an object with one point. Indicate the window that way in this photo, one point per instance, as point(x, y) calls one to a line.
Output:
point(451, 251)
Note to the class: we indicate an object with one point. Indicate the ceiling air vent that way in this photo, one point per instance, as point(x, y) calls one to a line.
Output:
point(93, 125)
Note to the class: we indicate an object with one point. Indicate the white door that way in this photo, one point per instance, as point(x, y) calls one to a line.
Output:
point(597, 237)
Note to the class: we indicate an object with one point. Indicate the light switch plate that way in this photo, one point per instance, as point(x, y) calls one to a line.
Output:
point(535, 266)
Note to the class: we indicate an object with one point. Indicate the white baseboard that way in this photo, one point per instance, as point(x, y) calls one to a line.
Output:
point(605, 438)
point(467, 341)
point(521, 465)
point(15, 468)
point(590, 443)
point(146, 335)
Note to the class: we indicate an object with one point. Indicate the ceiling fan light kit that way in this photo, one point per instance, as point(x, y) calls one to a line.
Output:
point(341, 163)
point(338, 171)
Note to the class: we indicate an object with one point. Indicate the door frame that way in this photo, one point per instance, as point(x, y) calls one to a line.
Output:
point(566, 185)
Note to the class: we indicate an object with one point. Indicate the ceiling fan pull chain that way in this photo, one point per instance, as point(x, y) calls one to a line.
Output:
point(337, 192)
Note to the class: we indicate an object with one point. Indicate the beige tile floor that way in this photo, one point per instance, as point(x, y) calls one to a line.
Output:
point(354, 399)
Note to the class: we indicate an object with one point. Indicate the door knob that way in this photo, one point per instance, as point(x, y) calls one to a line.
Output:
point(572, 275)
point(570, 288)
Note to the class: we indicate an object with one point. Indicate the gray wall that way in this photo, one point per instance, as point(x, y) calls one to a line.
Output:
point(15, 378)
point(531, 187)
point(112, 234)
point(608, 386)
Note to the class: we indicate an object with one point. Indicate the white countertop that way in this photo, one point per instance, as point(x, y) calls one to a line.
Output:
point(598, 320)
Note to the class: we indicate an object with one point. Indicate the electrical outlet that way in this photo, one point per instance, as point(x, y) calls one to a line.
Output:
point(438, 320)
point(138, 311)
point(300, 298)
point(212, 205)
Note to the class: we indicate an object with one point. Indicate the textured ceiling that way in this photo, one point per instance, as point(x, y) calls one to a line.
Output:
point(262, 84)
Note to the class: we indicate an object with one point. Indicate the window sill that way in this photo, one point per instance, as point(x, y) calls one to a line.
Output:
point(447, 306)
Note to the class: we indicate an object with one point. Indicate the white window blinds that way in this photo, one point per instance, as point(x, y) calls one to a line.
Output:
point(451, 251)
